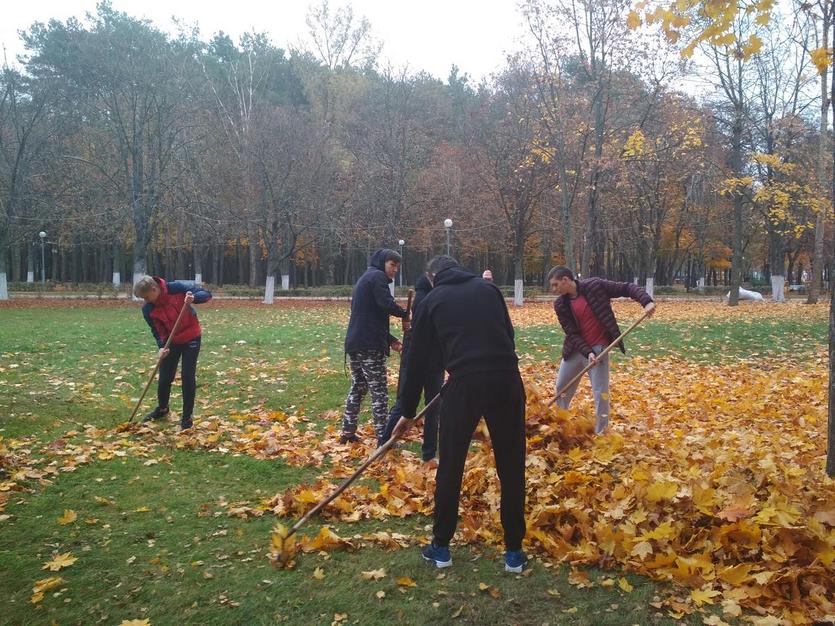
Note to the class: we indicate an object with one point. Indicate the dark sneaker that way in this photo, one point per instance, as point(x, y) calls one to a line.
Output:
point(186, 422)
point(156, 414)
point(515, 561)
point(439, 555)
point(349, 438)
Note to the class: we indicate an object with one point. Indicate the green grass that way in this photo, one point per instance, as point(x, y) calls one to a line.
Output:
point(185, 559)
point(711, 341)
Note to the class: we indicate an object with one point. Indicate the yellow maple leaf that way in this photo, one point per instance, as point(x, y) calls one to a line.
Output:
point(624, 584)
point(642, 549)
point(737, 574)
point(319, 573)
point(43, 585)
point(68, 517)
point(662, 490)
point(59, 562)
point(405, 581)
point(703, 596)
point(374, 574)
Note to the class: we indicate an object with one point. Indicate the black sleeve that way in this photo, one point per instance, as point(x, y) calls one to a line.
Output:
point(422, 343)
point(384, 299)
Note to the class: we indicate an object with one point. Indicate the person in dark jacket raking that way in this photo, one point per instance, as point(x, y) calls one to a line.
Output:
point(466, 318)
point(434, 380)
point(584, 310)
point(368, 340)
point(163, 302)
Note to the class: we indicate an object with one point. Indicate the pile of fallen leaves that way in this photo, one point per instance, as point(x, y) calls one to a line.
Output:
point(713, 480)
point(711, 477)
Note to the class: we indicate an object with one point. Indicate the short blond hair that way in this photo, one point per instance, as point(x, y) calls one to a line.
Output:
point(144, 285)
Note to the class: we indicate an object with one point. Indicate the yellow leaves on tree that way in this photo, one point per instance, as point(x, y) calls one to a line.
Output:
point(635, 145)
point(716, 19)
point(821, 58)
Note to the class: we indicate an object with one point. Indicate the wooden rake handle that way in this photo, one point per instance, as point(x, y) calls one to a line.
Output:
point(604, 352)
point(409, 297)
point(379, 452)
point(159, 361)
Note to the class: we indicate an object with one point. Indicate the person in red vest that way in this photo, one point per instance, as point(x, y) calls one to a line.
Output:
point(584, 310)
point(163, 302)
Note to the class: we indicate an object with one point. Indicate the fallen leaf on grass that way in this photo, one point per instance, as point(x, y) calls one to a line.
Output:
point(380, 594)
point(68, 517)
point(319, 573)
point(405, 581)
point(374, 574)
point(43, 585)
point(135, 622)
point(59, 562)
point(624, 584)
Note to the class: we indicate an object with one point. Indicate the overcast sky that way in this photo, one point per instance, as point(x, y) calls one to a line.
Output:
point(429, 35)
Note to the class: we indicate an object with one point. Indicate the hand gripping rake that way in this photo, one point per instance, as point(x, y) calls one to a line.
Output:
point(604, 352)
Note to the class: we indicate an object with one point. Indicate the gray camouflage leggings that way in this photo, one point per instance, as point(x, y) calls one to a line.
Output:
point(368, 373)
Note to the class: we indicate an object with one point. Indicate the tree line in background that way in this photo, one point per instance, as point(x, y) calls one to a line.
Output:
point(126, 150)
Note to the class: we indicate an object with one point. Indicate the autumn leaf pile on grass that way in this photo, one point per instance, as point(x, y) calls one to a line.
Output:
point(711, 477)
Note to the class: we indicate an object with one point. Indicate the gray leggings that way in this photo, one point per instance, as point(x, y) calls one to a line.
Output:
point(599, 376)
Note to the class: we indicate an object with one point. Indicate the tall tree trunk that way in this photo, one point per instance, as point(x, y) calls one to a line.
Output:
point(15, 269)
point(272, 268)
point(252, 236)
point(830, 441)
point(30, 263)
point(777, 264)
point(4, 252)
point(592, 252)
point(566, 221)
point(820, 167)
point(117, 263)
point(198, 263)
point(738, 203)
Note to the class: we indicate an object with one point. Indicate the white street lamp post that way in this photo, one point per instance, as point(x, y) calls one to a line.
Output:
point(448, 226)
point(401, 243)
point(42, 235)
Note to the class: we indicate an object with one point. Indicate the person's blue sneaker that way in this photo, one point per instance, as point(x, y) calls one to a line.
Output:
point(439, 555)
point(515, 561)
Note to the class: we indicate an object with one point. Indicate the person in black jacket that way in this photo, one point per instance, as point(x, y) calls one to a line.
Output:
point(431, 388)
point(466, 318)
point(368, 340)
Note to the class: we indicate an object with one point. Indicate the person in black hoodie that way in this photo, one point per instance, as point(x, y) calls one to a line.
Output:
point(367, 342)
point(466, 318)
point(431, 388)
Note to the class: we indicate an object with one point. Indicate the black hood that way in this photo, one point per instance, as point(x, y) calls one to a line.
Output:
point(452, 275)
point(378, 259)
point(423, 284)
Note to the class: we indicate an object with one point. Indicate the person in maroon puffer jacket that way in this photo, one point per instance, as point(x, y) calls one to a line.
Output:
point(163, 302)
point(584, 310)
